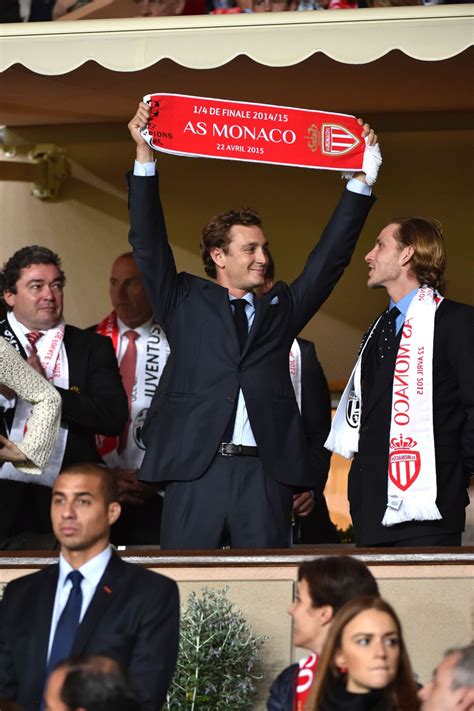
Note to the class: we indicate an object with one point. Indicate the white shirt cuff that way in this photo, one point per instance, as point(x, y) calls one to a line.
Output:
point(145, 169)
point(357, 186)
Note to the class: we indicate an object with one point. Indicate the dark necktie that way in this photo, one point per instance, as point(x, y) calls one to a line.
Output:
point(68, 622)
point(33, 338)
point(242, 328)
point(128, 366)
point(386, 334)
point(241, 323)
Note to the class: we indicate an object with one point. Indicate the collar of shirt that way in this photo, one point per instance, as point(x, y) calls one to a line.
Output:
point(402, 306)
point(92, 571)
point(143, 331)
point(17, 325)
point(249, 309)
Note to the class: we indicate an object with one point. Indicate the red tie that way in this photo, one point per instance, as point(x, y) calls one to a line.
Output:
point(128, 366)
point(33, 338)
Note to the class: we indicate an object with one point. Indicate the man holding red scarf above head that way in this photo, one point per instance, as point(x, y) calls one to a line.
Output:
point(407, 413)
point(224, 433)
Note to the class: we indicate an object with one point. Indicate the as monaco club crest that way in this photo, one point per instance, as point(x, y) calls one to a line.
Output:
point(337, 140)
point(404, 463)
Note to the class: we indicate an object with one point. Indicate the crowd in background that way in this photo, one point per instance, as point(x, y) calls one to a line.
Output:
point(44, 10)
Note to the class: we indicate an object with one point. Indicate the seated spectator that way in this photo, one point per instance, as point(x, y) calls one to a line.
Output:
point(92, 683)
point(364, 664)
point(452, 686)
point(324, 586)
point(31, 454)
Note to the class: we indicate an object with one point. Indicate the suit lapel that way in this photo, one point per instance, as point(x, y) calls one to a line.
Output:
point(41, 627)
point(218, 301)
point(102, 598)
point(382, 380)
point(261, 308)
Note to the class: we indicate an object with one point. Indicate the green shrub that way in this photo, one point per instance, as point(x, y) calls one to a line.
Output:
point(218, 656)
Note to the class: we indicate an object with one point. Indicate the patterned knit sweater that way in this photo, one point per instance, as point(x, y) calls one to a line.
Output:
point(42, 428)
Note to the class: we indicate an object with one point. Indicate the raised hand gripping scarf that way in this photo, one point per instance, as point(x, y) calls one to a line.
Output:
point(260, 133)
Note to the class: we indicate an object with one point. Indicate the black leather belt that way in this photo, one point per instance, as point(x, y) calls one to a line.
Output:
point(227, 449)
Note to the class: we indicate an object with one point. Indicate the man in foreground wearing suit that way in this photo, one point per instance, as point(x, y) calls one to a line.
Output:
point(223, 432)
point(91, 603)
point(83, 368)
point(413, 392)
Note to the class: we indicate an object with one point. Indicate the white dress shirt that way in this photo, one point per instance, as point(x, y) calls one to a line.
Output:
point(92, 571)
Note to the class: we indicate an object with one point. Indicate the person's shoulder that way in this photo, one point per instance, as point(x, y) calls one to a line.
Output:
point(282, 690)
point(24, 585)
point(454, 311)
point(86, 336)
point(143, 578)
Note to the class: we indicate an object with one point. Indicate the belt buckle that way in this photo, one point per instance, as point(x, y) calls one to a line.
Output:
point(222, 451)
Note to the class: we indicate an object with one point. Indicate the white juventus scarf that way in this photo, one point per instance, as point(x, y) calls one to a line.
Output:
point(411, 490)
point(53, 358)
point(149, 370)
point(295, 370)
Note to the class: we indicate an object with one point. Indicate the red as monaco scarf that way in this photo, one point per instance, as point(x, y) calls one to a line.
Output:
point(261, 133)
point(305, 680)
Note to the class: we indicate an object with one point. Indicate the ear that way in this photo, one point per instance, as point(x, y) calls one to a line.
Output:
point(326, 614)
point(217, 256)
point(114, 512)
point(9, 298)
point(340, 660)
point(407, 254)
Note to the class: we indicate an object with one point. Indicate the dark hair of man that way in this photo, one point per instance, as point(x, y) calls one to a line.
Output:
point(428, 262)
point(336, 579)
point(216, 234)
point(400, 694)
point(270, 270)
point(107, 478)
point(24, 258)
point(463, 670)
point(97, 683)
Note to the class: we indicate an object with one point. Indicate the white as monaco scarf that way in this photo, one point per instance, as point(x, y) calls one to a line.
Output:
point(411, 489)
point(53, 358)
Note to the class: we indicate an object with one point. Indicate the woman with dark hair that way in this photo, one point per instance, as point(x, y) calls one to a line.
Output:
point(364, 665)
point(324, 586)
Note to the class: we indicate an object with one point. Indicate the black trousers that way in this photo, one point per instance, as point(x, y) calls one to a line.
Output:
point(234, 502)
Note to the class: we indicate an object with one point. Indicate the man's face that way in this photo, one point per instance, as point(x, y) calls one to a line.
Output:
point(80, 516)
point(386, 259)
point(307, 626)
point(38, 302)
point(243, 267)
point(127, 294)
point(438, 694)
point(52, 693)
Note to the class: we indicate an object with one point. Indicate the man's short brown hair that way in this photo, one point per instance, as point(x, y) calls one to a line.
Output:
point(107, 478)
point(216, 234)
